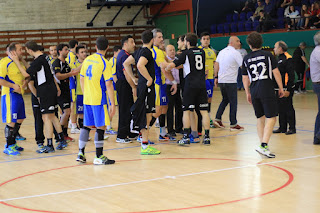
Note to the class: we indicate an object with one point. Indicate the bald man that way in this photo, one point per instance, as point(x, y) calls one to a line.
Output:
point(226, 71)
point(174, 100)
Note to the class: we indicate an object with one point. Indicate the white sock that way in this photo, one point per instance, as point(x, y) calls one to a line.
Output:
point(74, 125)
point(109, 127)
point(163, 131)
point(144, 146)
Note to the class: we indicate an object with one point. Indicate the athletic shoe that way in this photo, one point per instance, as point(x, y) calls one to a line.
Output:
point(265, 151)
point(105, 137)
point(163, 138)
point(69, 139)
point(10, 150)
point(46, 149)
point(139, 139)
point(75, 131)
point(170, 137)
point(290, 132)
point(237, 127)
point(199, 134)
point(211, 124)
point(111, 132)
point(81, 158)
point(149, 151)
point(40, 145)
point(126, 140)
point(18, 148)
point(133, 136)
point(206, 141)
point(184, 141)
point(102, 160)
point(278, 131)
point(218, 124)
point(20, 138)
point(194, 139)
point(60, 145)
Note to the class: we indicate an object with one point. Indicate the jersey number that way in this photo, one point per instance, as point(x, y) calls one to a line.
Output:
point(199, 64)
point(258, 76)
point(89, 72)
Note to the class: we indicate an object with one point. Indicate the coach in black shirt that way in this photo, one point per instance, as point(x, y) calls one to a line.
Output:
point(286, 110)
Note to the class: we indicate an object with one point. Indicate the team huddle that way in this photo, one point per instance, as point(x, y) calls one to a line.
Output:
point(86, 91)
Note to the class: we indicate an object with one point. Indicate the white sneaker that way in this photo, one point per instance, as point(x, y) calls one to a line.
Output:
point(265, 151)
point(126, 140)
point(69, 124)
point(75, 131)
point(102, 160)
point(105, 137)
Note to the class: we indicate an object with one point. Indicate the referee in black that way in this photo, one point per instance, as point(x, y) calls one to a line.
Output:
point(286, 110)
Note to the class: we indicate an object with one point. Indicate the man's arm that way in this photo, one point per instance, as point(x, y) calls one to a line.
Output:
point(277, 76)
point(32, 88)
point(305, 60)
point(16, 88)
point(143, 70)
point(110, 92)
point(246, 84)
point(216, 71)
point(13, 55)
point(128, 71)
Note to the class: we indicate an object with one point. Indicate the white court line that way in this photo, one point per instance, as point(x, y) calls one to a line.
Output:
point(161, 178)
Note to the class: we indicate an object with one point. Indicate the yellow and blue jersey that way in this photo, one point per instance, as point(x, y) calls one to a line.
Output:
point(210, 59)
point(77, 85)
point(95, 70)
point(159, 56)
point(11, 73)
point(71, 58)
point(113, 62)
point(51, 59)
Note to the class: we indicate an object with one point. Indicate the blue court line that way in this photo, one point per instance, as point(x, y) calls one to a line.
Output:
point(222, 136)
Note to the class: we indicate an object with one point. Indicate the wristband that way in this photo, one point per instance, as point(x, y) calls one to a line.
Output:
point(216, 77)
point(174, 82)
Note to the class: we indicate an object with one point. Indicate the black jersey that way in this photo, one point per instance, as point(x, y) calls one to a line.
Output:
point(145, 52)
point(258, 65)
point(42, 73)
point(193, 61)
point(60, 67)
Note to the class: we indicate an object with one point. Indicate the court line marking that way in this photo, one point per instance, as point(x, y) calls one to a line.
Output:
point(160, 178)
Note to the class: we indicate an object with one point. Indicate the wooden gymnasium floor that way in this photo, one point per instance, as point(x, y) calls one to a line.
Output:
point(228, 176)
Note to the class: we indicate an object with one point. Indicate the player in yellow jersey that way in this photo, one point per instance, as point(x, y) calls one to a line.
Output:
point(159, 57)
point(113, 62)
point(81, 52)
point(95, 80)
point(12, 104)
point(53, 53)
point(71, 58)
point(210, 59)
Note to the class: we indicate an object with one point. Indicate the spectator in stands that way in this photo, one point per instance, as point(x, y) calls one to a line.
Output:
point(257, 11)
point(252, 4)
point(315, 18)
point(297, 2)
point(292, 18)
point(246, 7)
point(265, 22)
point(308, 16)
point(286, 3)
point(269, 9)
point(303, 15)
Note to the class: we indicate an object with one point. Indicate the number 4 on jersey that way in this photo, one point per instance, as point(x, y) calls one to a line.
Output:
point(89, 72)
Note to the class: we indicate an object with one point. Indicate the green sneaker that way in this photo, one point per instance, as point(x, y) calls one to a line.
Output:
point(211, 124)
point(149, 151)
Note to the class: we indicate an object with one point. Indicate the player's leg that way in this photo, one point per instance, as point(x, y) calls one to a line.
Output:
point(202, 103)
point(209, 87)
point(101, 119)
point(222, 106)
point(73, 113)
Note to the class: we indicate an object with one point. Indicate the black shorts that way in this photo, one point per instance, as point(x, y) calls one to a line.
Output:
point(64, 100)
point(195, 98)
point(48, 104)
point(150, 99)
point(265, 106)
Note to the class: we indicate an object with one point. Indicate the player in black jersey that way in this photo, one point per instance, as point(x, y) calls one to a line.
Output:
point(258, 70)
point(144, 106)
point(195, 93)
point(63, 72)
point(47, 91)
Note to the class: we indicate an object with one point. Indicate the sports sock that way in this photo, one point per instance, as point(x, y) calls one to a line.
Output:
point(194, 134)
point(144, 144)
point(83, 138)
point(153, 120)
point(264, 144)
point(98, 142)
point(80, 122)
point(49, 142)
point(206, 133)
point(9, 135)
